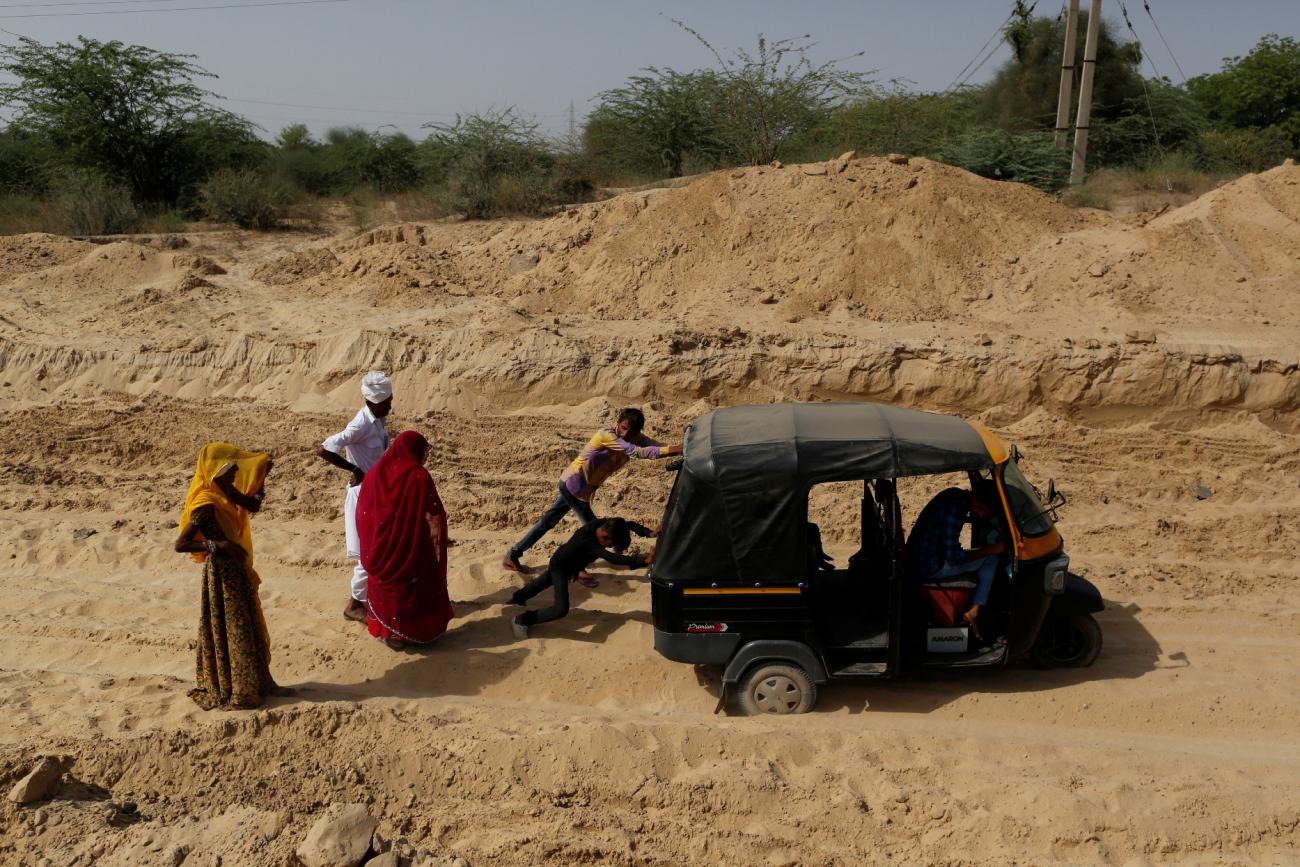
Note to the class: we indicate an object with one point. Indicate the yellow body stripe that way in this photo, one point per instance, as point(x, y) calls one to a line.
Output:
point(742, 591)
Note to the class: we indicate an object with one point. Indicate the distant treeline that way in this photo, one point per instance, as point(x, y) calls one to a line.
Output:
point(107, 136)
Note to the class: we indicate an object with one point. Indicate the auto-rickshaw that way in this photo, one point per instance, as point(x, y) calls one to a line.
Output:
point(738, 580)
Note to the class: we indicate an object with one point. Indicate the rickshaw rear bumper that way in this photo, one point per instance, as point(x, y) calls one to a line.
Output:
point(699, 648)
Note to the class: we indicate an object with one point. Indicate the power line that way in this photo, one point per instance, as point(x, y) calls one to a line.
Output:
point(174, 9)
point(84, 3)
point(1001, 31)
point(382, 111)
point(980, 65)
point(334, 107)
point(996, 33)
point(1155, 129)
point(1172, 56)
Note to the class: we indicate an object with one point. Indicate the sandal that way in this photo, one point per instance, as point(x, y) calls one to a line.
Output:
point(512, 564)
point(586, 579)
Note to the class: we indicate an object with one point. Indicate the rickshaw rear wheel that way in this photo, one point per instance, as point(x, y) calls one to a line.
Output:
point(777, 688)
point(1070, 641)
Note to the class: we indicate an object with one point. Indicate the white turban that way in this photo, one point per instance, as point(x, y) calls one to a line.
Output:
point(375, 387)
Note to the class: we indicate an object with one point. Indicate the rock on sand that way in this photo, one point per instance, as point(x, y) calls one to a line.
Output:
point(340, 838)
point(39, 782)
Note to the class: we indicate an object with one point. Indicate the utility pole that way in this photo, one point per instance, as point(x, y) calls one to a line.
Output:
point(1067, 75)
point(1085, 95)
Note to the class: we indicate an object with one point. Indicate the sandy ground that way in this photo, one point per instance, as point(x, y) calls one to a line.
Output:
point(1131, 361)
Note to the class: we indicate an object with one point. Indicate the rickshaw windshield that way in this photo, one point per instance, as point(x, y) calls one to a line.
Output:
point(1025, 505)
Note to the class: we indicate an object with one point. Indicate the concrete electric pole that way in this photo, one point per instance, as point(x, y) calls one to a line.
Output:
point(1067, 76)
point(1085, 95)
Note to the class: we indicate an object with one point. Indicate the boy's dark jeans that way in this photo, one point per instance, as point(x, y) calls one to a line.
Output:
point(564, 503)
point(558, 607)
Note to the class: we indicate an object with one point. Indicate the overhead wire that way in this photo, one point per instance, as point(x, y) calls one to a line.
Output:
point(381, 111)
point(1172, 56)
point(1155, 128)
point(957, 79)
point(174, 9)
point(83, 3)
point(386, 112)
point(963, 77)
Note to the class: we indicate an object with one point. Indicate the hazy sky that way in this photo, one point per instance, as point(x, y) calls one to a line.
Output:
point(407, 61)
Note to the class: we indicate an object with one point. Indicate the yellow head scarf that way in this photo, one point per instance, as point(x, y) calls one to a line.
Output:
point(250, 472)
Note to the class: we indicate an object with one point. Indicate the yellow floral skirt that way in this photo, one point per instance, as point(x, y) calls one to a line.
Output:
point(233, 668)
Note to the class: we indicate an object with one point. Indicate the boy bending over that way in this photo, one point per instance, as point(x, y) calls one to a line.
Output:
point(591, 542)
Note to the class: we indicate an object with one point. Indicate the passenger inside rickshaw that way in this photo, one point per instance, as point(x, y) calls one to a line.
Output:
point(956, 582)
point(950, 582)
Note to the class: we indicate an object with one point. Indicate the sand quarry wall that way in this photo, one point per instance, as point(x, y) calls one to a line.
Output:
point(915, 283)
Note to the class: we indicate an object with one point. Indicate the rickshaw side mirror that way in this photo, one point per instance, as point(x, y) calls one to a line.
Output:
point(1016, 454)
point(1051, 491)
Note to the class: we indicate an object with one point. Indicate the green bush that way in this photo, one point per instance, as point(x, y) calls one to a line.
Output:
point(1242, 150)
point(21, 213)
point(24, 163)
point(900, 121)
point(246, 198)
point(89, 204)
point(1030, 158)
point(496, 164)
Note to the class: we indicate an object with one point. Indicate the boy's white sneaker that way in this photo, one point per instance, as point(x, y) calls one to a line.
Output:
point(519, 629)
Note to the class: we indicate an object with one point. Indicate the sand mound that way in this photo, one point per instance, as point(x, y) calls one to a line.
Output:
point(1228, 257)
point(20, 254)
point(887, 241)
point(105, 269)
point(867, 239)
point(884, 240)
point(296, 266)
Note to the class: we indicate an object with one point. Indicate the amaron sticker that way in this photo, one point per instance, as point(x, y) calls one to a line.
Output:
point(706, 627)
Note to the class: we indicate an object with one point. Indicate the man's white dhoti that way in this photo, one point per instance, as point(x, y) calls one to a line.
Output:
point(364, 440)
point(353, 542)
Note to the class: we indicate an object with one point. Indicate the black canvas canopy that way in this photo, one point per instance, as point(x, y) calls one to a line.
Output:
point(738, 508)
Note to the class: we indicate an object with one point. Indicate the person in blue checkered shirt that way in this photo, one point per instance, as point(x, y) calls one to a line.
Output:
point(935, 552)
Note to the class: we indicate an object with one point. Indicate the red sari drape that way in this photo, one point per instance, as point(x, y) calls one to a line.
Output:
point(407, 592)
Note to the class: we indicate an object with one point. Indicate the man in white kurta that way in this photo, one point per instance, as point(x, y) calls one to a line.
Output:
point(355, 449)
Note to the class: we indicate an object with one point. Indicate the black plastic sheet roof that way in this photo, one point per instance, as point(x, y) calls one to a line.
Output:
point(739, 506)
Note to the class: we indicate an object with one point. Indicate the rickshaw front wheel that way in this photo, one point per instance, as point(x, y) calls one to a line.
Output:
point(777, 688)
point(1068, 641)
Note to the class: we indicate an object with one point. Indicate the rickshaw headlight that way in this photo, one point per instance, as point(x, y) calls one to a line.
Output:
point(1054, 575)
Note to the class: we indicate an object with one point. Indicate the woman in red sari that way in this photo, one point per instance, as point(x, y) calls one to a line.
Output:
point(402, 527)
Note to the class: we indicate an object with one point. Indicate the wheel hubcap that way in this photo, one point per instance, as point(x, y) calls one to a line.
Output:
point(1068, 644)
point(777, 694)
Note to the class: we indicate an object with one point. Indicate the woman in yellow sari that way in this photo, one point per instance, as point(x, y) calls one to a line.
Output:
point(234, 648)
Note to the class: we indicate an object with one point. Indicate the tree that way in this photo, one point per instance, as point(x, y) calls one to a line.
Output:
point(776, 94)
point(1258, 91)
point(1022, 95)
point(296, 136)
point(495, 162)
point(657, 121)
point(122, 110)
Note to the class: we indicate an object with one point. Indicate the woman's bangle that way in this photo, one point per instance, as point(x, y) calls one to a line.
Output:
point(211, 545)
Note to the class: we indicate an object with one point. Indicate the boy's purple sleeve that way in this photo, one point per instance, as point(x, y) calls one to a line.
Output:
point(635, 451)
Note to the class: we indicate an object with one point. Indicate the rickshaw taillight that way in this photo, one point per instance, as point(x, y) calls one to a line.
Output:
point(1054, 575)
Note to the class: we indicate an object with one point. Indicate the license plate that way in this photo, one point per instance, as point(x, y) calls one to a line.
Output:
point(947, 640)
